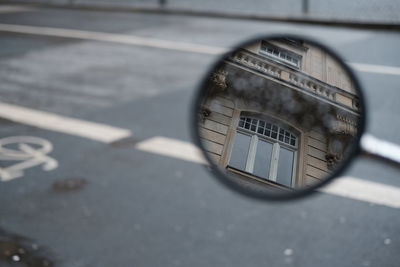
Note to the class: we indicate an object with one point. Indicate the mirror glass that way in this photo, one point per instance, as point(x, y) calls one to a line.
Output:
point(278, 115)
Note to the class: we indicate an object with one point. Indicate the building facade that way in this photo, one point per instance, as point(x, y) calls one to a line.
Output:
point(279, 112)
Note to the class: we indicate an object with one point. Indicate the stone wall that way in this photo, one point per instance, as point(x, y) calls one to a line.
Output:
point(315, 163)
point(214, 128)
point(214, 136)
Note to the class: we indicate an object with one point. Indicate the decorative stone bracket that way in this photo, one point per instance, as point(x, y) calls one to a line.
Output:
point(341, 138)
point(204, 113)
point(219, 78)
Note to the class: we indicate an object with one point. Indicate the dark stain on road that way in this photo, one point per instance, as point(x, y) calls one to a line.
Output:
point(22, 251)
point(125, 143)
point(69, 184)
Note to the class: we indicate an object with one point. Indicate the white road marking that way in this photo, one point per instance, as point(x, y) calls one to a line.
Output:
point(389, 70)
point(13, 9)
point(158, 43)
point(172, 148)
point(114, 38)
point(355, 188)
point(41, 119)
point(349, 187)
point(28, 156)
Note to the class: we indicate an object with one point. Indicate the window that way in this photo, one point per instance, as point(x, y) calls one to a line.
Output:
point(265, 150)
point(281, 54)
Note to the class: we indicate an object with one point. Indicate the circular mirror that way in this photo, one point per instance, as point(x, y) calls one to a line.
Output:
point(278, 117)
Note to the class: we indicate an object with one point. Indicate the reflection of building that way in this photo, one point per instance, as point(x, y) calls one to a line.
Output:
point(281, 112)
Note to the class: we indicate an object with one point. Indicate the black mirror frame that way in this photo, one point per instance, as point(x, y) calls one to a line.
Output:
point(354, 151)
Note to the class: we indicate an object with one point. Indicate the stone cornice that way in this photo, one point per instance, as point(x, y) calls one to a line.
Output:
point(295, 78)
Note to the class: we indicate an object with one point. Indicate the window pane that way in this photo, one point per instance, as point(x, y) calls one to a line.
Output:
point(241, 123)
point(287, 140)
point(285, 167)
point(240, 149)
point(293, 142)
point(263, 159)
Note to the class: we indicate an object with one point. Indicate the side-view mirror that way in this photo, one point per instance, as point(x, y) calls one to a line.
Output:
point(280, 116)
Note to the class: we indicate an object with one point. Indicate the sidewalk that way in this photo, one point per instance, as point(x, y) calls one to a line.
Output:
point(370, 11)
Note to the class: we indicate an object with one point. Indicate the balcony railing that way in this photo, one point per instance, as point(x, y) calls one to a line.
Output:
point(296, 78)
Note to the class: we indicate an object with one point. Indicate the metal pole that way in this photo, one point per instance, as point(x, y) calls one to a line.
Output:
point(305, 7)
point(162, 2)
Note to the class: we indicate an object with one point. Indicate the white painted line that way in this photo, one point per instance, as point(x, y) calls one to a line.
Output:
point(114, 38)
point(157, 43)
point(389, 70)
point(49, 121)
point(13, 9)
point(172, 148)
point(348, 187)
point(354, 188)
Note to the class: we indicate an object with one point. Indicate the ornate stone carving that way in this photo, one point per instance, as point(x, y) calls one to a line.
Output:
point(338, 146)
point(219, 78)
point(299, 79)
point(204, 113)
point(342, 133)
point(345, 125)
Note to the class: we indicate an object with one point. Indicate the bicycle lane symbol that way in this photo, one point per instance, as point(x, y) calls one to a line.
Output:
point(26, 152)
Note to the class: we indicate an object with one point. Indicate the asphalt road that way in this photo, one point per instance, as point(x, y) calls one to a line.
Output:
point(126, 207)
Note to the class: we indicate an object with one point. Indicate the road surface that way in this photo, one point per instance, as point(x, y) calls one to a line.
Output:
point(93, 201)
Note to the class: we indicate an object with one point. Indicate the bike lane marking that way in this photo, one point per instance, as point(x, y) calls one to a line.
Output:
point(349, 187)
point(54, 122)
point(346, 186)
point(158, 43)
point(27, 152)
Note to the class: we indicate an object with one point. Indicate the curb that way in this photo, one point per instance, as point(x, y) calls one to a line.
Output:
point(163, 10)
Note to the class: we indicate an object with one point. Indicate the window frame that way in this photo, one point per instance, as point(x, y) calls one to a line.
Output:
point(280, 51)
point(276, 146)
point(272, 123)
